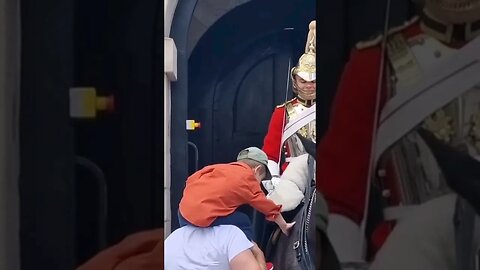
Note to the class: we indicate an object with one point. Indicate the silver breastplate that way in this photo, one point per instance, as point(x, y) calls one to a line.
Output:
point(308, 131)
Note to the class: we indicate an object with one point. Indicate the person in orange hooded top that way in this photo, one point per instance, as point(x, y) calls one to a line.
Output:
point(213, 194)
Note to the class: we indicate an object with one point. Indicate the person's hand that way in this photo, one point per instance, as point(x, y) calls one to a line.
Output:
point(286, 229)
point(275, 180)
point(268, 185)
point(137, 244)
point(259, 256)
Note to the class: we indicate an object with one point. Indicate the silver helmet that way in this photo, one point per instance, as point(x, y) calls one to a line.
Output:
point(306, 67)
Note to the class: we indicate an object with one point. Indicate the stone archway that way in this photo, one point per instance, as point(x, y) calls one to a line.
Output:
point(170, 69)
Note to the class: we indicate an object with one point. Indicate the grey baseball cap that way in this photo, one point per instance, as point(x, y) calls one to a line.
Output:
point(258, 155)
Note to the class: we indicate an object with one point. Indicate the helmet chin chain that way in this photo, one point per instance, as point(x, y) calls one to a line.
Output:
point(300, 94)
point(307, 97)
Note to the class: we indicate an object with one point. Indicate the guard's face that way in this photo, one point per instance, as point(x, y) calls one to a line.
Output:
point(306, 90)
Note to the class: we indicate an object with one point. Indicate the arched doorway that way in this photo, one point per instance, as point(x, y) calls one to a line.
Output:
point(237, 73)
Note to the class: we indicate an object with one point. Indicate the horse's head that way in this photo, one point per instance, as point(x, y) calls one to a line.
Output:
point(309, 145)
point(462, 172)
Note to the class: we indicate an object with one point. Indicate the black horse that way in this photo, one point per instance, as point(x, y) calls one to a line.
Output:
point(306, 247)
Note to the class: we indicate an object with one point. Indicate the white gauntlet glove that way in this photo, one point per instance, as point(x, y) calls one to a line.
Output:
point(289, 190)
point(269, 185)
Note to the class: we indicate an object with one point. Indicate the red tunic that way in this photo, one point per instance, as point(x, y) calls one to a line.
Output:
point(344, 152)
point(273, 138)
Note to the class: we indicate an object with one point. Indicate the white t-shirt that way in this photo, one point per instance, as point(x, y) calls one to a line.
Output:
point(212, 248)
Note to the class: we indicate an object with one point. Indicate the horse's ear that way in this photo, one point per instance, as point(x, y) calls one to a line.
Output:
point(309, 145)
point(462, 172)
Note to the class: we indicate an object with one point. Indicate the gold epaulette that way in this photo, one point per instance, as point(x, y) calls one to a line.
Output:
point(283, 104)
point(378, 39)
